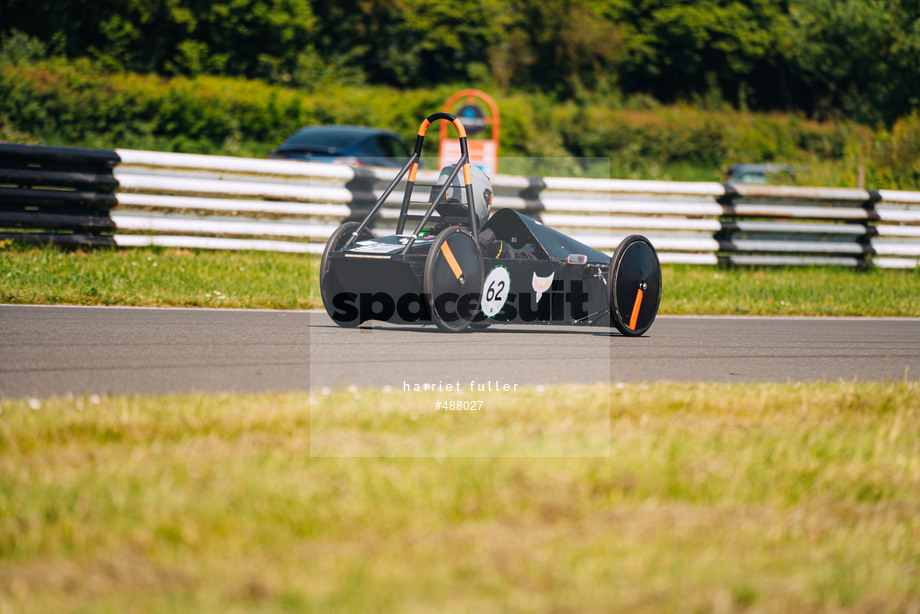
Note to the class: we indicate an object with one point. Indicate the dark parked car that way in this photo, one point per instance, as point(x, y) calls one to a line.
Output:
point(351, 145)
point(761, 172)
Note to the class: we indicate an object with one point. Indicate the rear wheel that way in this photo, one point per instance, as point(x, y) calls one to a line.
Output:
point(328, 285)
point(452, 280)
point(634, 286)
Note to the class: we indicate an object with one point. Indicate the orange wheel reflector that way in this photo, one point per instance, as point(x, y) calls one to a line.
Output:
point(449, 256)
point(635, 312)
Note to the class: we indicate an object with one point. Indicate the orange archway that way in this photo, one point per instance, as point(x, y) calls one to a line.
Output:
point(483, 152)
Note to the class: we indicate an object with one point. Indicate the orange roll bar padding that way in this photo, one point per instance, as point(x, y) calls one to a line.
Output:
point(423, 128)
point(448, 117)
point(449, 256)
point(467, 176)
point(635, 312)
point(460, 129)
point(456, 122)
point(413, 171)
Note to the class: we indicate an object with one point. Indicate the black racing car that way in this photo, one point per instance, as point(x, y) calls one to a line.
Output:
point(461, 268)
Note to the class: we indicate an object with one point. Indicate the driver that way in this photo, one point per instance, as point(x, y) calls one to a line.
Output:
point(453, 206)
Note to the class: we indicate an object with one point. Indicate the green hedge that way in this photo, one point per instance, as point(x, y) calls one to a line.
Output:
point(75, 103)
point(896, 155)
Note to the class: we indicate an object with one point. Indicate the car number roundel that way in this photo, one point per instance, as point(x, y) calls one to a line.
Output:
point(495, 291)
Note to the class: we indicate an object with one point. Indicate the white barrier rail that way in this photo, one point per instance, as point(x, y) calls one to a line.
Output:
point(220, 202)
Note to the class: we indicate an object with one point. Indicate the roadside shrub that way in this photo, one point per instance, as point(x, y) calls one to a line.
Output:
point(895, 160)
point(77, 103)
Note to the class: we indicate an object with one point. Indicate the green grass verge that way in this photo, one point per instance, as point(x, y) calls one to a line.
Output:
point(714, 498)
point(794, 291)
point(158, 277)
point(201, 278)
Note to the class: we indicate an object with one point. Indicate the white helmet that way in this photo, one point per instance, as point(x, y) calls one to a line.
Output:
point(454, 203)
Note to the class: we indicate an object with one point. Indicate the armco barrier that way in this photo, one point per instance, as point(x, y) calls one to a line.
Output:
point(57, 194)
point(134, 198)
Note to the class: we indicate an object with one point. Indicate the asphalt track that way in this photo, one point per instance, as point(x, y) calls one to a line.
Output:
point(50, 350)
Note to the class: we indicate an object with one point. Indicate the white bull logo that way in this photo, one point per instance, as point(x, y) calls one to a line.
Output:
point(542, 284)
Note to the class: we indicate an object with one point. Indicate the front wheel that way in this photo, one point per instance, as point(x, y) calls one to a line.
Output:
point(328, 285)
point(634, 286)
point(452, 281)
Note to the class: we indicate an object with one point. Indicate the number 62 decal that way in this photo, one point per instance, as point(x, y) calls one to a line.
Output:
point(495, 291)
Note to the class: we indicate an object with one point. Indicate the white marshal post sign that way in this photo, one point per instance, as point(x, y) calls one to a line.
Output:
point(477, 111)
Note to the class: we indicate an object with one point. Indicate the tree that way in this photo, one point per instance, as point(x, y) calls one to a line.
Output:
point(409, 42)
point(858, 57)
point(678, 49)
point(252, 38)
point(559, 46)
